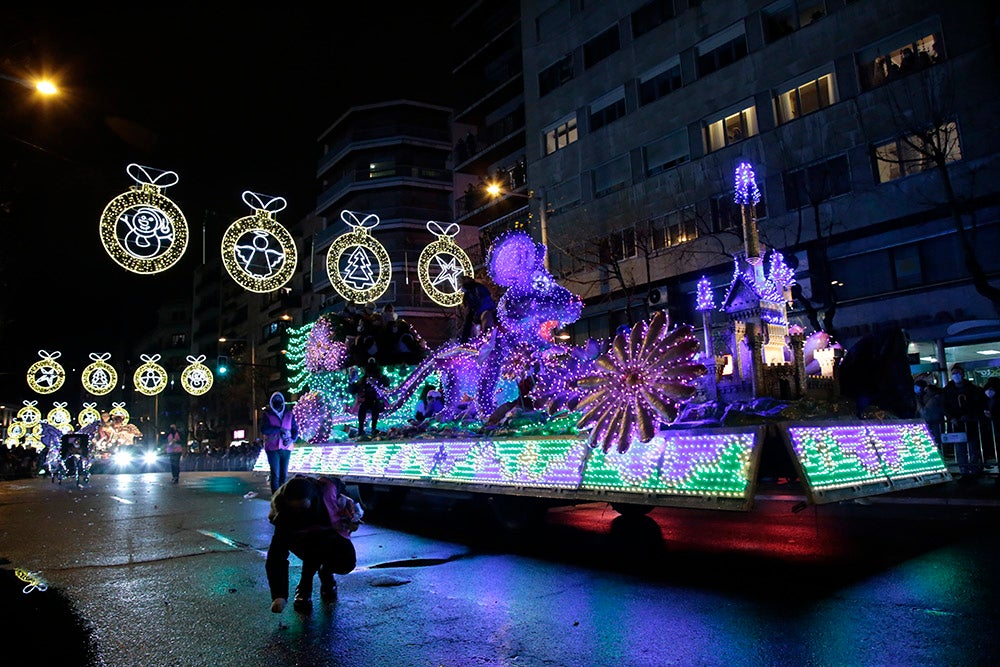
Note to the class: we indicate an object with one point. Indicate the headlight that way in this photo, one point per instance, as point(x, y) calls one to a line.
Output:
point(122, 459)
point(149, 458)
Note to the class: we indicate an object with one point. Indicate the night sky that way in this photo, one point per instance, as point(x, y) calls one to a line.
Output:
point(229, 100)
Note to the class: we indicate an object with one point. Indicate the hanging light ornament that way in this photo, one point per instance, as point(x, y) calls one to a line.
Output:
point(46, 375)
point(447, 261)
point(257, 252)
point(358, 266)
point(118, 410)
point(144, 231)
point(150, 378)
point(197, 377)
point(60, 417)
point(88, 415)
point(31, 417)
point(99, 377)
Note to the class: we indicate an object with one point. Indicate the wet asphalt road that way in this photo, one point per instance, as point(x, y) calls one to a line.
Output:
point(137, 571)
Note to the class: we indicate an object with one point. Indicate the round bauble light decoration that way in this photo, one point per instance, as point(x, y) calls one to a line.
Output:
point(118, 410)
point(99, 377)
point(150, 378)
point(258, 253)
point(30, 416)
point(443, 264)
point(46, 376)
point(60, 417)
point(143, 230)
point(88, 415)
point(358, 266)
point(197, 377)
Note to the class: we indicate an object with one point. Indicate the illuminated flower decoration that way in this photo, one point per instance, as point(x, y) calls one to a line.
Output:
point(322, 352)
point(311, 412)
point(642, 378)
point(46, 375)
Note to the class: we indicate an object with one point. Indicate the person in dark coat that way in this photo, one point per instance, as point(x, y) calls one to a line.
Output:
point(964, 405)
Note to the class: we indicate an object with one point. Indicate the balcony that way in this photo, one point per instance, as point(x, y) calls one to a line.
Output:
point(365, 137)
point(390, 176)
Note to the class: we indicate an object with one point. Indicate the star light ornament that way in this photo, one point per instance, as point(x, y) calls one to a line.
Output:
point(257, 252)
point(150, 378)
point(88, 415)
point(46, 375)
point(358, 266)
point(99, 377)
point(442, 265)
point(144, 231)
point(197, 377)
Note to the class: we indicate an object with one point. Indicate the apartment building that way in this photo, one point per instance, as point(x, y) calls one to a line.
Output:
point(637, 113)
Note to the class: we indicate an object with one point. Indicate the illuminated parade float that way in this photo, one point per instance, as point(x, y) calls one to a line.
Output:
point(650, 417)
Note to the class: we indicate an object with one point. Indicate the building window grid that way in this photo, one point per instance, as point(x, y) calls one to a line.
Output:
point(731, 129)
point(904, 157)
point(561, 136)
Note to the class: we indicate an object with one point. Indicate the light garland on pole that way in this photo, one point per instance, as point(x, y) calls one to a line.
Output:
point(99, 377)
point(197, 377)
point(358, 266)
point(46, 376)
point(258, 253)
point(150, 378)
point(452, 263)
point(144, 231)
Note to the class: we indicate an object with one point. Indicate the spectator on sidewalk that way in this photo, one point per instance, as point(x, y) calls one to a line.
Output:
point(930, 407)
point(964, 403)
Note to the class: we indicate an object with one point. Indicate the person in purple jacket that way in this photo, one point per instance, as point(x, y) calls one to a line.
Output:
point(280, 433)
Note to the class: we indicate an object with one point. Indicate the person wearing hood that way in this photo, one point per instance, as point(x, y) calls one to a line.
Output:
point(280, 433)
point(964, 404)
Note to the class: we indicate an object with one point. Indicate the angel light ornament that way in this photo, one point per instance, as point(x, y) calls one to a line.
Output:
point(358, 266)
point(150, 378)
point(60, 417)
point(99, 377)
point(257, 252)
point(46, 375)
point(197, 377)
point(144, 231)
point(88, 415)
point(443, 264)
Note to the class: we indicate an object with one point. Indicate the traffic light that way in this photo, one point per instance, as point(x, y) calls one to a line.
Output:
point(222, 366)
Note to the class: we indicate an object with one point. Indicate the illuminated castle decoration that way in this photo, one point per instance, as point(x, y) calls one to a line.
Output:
point(766, 359)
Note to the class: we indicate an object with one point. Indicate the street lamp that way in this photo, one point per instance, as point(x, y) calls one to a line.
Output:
point(43, 86)
point(494, 190)
point(252, 342)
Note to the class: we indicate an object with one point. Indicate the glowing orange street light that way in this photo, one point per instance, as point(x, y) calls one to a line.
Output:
point(493, 189)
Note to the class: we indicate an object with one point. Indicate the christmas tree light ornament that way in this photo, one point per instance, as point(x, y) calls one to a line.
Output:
point(258, 253)
point(197, 377)
point(144, 231)
point(442, 264)
point(358, 266)
point(150, 378)
point(99, 377)
point(46, 375)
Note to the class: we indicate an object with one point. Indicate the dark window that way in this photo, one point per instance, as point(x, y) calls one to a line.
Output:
point(608, 114)
point(651, 15)
point(785, 17)
point(863, 275)
point(659, 85)
point(728, 215)
point(600, 47)
point(555, 75)
point(819, 182)
point(906, 266)
point(723, 55)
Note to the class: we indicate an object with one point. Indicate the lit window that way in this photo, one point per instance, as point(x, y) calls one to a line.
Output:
point(561, 134)
point(918, 152)
point(731, 128)
point(675, 228)
point(805, 98)
point(911, 50)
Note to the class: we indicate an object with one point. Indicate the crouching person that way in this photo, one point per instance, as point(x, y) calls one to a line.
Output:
point(313, 518)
